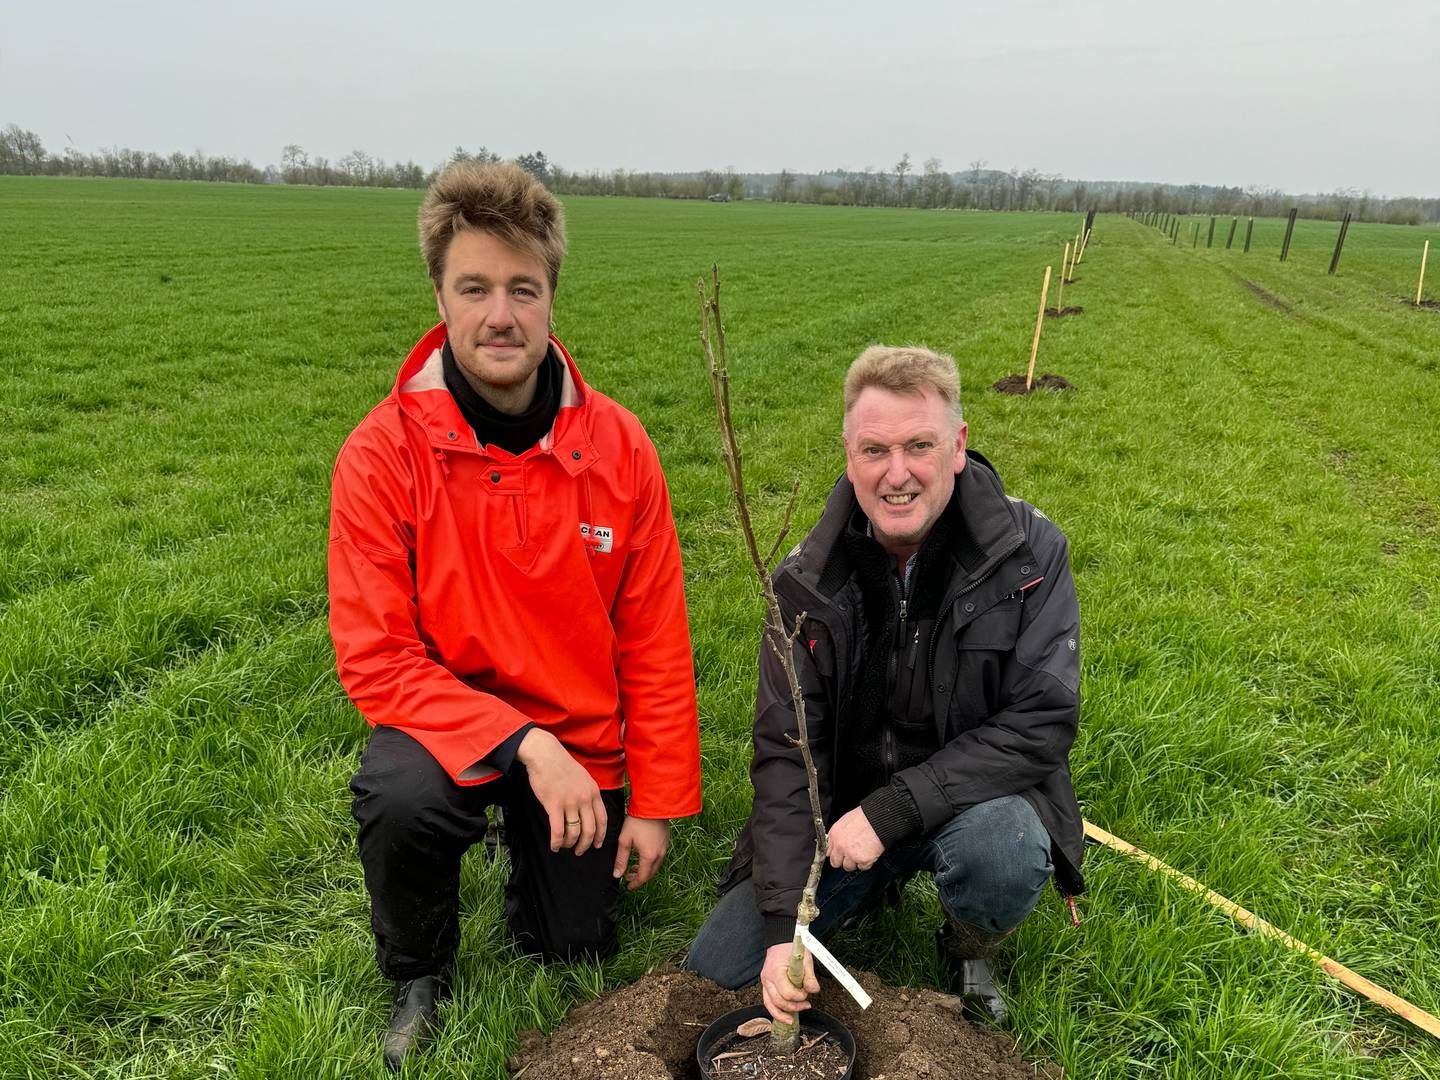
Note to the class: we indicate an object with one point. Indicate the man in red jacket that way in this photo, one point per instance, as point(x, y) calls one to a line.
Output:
point(507, 610)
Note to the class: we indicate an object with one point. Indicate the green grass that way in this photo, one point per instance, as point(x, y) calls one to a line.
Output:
point(1251, 496)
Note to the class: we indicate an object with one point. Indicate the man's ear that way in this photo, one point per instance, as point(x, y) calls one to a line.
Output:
point(440, 305)
point(961, 434)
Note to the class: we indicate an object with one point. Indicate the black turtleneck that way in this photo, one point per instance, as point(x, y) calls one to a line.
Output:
point(517, 432)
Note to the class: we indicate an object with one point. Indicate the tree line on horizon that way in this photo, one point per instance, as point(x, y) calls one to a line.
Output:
point(23, 152)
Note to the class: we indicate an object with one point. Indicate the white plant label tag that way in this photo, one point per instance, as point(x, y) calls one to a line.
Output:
point(811, 942)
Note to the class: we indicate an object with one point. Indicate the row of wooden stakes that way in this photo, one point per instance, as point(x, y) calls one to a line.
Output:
point(1067, 273)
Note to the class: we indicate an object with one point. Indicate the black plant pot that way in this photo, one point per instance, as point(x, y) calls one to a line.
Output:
point(812, 1022)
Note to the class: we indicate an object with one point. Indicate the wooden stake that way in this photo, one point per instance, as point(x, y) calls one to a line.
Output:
point(1340, 242)
point(1419, 289)
point(1060, 296)
point(1075, 247)
point(1084, 243)
point(1378, 994)
point(1039, 322)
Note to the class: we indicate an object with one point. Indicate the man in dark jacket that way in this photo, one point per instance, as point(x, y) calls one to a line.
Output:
point(939, 658)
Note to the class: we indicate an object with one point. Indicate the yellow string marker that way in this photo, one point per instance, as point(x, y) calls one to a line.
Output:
point(1376, 993)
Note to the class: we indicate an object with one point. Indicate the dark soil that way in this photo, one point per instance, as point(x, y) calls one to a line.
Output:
point(1428, 305)
point(649, 1030)
point(1015, 384)
point(756, 1058)
point(1060, 313)
point(1269, 299)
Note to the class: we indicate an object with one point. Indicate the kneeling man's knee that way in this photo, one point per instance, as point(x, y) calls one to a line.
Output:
point(994, 861)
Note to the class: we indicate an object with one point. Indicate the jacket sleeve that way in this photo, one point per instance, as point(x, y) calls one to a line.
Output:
point(1030, 737)
point(781, 827)
point(655, 666)
point(383, 661)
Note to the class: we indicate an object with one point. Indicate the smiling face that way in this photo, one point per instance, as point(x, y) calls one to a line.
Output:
point(902, 454)
point(496, 300)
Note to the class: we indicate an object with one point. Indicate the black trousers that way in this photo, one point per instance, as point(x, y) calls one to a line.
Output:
point(416, 824)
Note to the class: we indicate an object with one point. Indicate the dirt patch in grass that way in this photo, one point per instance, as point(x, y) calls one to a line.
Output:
point(1269, 299)
point(1015, 384)
point(1422, 518)
point(1428, 305)
point(1060, 313)
point(649, 1030)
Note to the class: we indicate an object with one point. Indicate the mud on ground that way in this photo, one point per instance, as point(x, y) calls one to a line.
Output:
point(1015, 384)
point(649, 1029)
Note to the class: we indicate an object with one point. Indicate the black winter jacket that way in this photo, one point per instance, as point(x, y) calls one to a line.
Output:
point(1005, 670)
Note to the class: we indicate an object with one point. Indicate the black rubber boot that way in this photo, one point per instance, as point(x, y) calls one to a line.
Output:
point(966, 953)
point(414, 1018)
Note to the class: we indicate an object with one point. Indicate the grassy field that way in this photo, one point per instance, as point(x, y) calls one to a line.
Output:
point(1249, 483)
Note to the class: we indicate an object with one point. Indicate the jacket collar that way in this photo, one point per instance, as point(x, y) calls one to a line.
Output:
point(421, 395)
point(990, 529)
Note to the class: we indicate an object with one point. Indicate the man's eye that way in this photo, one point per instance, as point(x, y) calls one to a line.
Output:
point(921, 446)
point(874, 451)
point(529, 294)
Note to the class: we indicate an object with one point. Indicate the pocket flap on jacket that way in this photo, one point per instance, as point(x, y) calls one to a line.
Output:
point(996, 628)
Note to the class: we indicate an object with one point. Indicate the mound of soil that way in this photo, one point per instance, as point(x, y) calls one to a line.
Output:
point(1060, 313)
point(1428, 305)
point(1015, 384)
point(649, 1029)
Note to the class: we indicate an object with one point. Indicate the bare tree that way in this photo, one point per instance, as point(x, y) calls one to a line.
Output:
point(783, 185)
point(902, 167)
point(779, 637)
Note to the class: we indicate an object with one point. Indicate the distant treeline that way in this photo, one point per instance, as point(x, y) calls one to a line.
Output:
point(981, 188)
point(977, 188)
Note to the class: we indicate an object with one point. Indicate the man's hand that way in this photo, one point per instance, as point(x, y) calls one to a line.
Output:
point(570, 797)
point(853, 843)
point(781, 999)
point(650, 839)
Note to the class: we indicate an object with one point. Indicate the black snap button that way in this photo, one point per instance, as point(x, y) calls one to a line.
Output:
point(494, 477)
point(969, 607)
point(944, 689)
point(450, 435)
point(575, 454)
point(1025, 569)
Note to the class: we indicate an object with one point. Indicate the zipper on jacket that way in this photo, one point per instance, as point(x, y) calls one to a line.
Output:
point(892, 664)
point(444, 467)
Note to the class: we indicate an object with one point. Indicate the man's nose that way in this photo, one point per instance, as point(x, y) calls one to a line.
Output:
point(897, 470)
point(499, 313)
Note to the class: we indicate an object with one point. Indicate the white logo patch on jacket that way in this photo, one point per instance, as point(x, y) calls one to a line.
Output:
point(599, 537)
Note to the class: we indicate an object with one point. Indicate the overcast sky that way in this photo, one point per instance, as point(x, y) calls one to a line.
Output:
point(1303, 96)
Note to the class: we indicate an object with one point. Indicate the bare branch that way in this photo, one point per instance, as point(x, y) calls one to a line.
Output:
point(780, 639)
point(784, 525)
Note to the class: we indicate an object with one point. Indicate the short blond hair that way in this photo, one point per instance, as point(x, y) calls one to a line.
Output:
point(502, 200)
point(905, 369)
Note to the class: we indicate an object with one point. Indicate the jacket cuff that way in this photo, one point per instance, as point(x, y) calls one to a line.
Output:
point(503, 756)
point(892, 813)
point(779, 930)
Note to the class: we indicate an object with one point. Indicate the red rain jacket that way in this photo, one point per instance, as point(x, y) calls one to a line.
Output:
point(473, 591)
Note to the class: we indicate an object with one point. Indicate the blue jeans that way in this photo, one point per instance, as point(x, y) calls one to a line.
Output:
point(989, 862)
